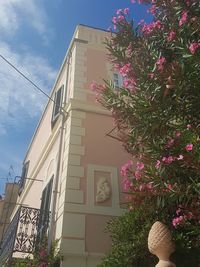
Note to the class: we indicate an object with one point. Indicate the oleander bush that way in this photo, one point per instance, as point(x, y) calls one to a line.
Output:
point(157, 115)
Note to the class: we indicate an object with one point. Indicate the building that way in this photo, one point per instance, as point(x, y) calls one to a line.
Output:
point(71, 169)
point(7, 205)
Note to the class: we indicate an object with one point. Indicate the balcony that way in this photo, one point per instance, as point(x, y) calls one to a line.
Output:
point(27, 226)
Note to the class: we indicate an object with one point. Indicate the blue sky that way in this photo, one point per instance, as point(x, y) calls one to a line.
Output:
point(35, 35)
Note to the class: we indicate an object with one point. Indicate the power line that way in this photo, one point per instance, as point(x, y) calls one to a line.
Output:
point(23, 75)
point(30, 81)
point(28, 178)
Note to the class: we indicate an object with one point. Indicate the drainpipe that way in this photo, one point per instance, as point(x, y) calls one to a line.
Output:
point(57, 176)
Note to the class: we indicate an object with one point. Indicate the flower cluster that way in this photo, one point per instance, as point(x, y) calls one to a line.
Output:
point(120, 17)
point(183, 19)
point(161, 63)
point(171, 36)
point(193, 47)
point(135, 179)
point(182, 216)
point(97, 89)
point(129, 78)
point(149, 28)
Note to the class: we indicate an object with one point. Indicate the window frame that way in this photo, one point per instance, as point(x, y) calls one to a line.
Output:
point(45, 208)
point(55, 112)
point(119, 80)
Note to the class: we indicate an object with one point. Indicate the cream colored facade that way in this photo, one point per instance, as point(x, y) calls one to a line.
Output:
point(76, 152)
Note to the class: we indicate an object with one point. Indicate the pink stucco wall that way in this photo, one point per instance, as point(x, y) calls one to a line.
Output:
point(99, 148)
point(97, 241)
point(97, 70)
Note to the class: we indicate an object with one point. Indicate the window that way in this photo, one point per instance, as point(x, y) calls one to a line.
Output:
point(45, 210)
point(23, 177)
point(57, 103)
point(117, 80)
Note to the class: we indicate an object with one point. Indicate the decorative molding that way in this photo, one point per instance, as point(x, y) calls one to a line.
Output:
point(77, 150)
point(74, 160)
point(73, 183)
point(72, 246)
point(77, 171)
point(74, 196)
point(91, 184)
point(87, 107)
point(103, 190)
point(101, 210)
point(74, 225)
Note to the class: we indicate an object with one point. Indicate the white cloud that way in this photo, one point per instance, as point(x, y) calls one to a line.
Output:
point(19, 100)
point(14, 13)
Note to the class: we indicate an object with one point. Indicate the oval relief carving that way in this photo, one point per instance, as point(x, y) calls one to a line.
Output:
point(103, 190)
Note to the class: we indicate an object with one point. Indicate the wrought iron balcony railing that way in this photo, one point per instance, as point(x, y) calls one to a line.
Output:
point(23, 232)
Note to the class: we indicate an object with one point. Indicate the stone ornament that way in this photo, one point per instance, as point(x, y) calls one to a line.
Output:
point(160, 244)
point(103, 190)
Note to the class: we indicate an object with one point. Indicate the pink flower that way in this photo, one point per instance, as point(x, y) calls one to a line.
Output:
point(138, 175)
point(187, 2)
point(178, 134)
point(140, 165)
point(117, 66)
point(160, 63)
point(180, 157)
point(125, 69)
point(152, 9)
point(189, 215)
point(170, 143)
point(97, 88)
point(189, 147)
point(126, 10)
point(193, 19)
point(149, 186)
point(126, 168)
point(142, 187)
point(119, 11)
point(130, 84)
point(193, 47)
point(120, 18)
point(127, 184)
point(178, 211)
point(114, 20)
point(177, 220)
point(167, 160)
point(171, 36)
point(183, 18)
point(158, 163)
point(93, 86)
point(189, 126)
point(170, 187)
